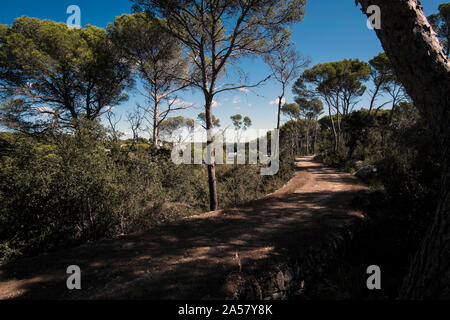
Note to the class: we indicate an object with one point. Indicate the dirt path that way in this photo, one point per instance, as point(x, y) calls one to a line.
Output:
point(194, 257)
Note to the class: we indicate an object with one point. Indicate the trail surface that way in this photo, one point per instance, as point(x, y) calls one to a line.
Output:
point(193, 258)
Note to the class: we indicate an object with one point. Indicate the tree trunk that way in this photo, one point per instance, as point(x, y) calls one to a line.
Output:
point(422, 66)
point(338, 120)
point(316, 128)
point(279, 116)
point(156, 137)
point(280, 104)
point(308, 142)
point(333, 127)
point(212, 182)
point(391, 114)
point(374, 97)
point(429, 274)
point(156, 126)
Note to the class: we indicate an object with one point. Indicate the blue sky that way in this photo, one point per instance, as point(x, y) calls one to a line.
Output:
point(332, 30)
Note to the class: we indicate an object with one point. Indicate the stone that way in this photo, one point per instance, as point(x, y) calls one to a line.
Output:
point(366, 172)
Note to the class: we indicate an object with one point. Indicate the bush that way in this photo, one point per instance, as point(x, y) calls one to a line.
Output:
point(60, 190)
point(403, 200)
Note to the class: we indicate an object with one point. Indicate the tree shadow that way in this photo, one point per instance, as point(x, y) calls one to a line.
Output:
point(191, 258)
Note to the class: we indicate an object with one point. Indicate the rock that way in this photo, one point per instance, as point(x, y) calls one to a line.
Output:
point(366, 172)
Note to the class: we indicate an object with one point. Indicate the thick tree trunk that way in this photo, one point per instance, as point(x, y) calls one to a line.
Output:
point(429, 275)
point(424, 69)
point(212, 182)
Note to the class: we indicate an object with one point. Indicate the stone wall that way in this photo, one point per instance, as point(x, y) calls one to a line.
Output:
point(283, 280)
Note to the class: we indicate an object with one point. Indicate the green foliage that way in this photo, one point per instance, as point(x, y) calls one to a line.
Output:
point(202, 119)
point(294, 137)
point(333, 78)
point(216, 34)
point(148, 46)
point(405, 154)
point(441, 24)
point(74, 73)
point(400, 206)
point(157, 59)
point(60, 190)
point(292, 110)
point(240, 122)
point(299, 135)
point(243, 183)
point(170, 126)
point(339, 84)
point(381, 66)
point(310, 109)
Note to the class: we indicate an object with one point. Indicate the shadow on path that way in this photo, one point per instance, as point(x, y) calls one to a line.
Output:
point(192, 258)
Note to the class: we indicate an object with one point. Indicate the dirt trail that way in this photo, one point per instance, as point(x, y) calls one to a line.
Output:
point(194, 257)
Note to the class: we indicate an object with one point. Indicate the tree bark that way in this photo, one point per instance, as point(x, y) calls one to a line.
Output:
point(155, 133)
point(155, 137)
point(333, 127)
point(212, 182)
point(374, 97)
point(280, 104)
point(279, 115)
point(316, 128)
point(422, 66)
point(308, 144)
point(338, 120)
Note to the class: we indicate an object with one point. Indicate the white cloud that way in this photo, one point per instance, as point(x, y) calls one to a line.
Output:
point(278, 101)
point(182, 103)
point(216, 104)
point(245, 90)
point(236, 100)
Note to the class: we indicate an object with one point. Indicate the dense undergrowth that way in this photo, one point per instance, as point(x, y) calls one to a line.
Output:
point(59, 190)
